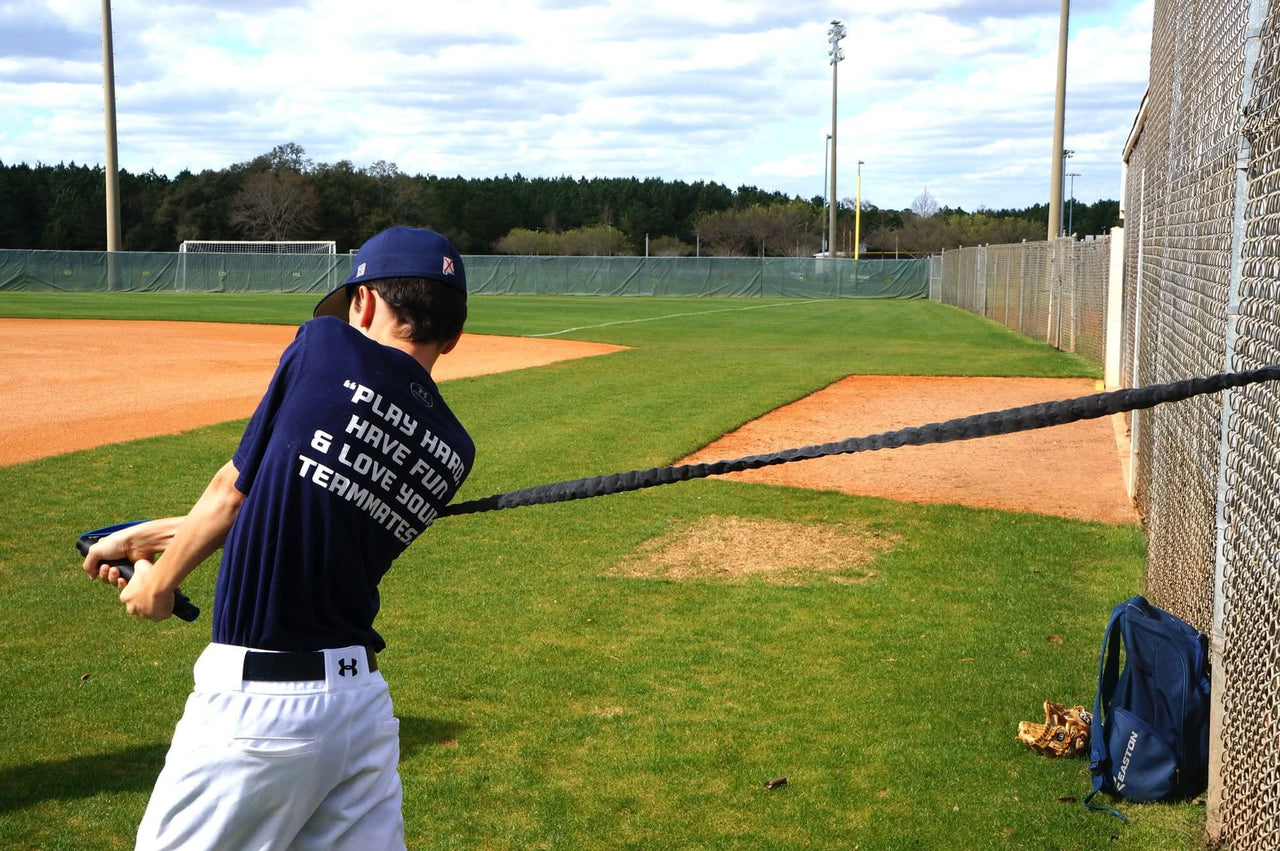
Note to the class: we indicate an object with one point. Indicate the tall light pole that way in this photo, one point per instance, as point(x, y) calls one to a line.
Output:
point(109, 101)
point(1071, 210)
point(834, 35)
point(826, 159)
point(1059, 110)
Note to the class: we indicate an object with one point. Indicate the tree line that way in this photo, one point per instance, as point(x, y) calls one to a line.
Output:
point(283, 195)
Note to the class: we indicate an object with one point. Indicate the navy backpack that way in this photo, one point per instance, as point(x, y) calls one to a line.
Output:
point(1149, 739)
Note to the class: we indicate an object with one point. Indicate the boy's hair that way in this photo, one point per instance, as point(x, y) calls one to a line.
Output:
point(433, 312)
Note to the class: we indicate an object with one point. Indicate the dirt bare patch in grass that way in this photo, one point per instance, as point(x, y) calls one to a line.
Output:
point(738, 549)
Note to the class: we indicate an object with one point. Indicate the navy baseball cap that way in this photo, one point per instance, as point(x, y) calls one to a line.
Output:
point(398, 252)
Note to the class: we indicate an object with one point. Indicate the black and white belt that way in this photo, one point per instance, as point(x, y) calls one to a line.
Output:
point(289, 667)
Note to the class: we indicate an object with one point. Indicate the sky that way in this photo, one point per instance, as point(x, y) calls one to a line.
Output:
point(954, 97)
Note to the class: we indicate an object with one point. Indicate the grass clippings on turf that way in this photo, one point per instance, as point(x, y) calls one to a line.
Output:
point(737, 549)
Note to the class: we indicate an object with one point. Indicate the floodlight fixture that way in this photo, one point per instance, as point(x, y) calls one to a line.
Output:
point(834, 35)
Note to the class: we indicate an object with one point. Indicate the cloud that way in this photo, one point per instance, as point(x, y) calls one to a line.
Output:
point(954, 95)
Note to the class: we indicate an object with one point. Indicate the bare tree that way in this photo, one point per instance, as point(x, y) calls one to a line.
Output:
point(925, 205)
point(275, 206)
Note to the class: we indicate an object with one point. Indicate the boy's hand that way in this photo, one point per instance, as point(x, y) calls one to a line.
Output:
point(142, 599)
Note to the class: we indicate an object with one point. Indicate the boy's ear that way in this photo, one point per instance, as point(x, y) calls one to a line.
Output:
point(362, 307)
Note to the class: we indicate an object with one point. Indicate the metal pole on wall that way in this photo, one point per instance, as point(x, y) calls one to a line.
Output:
point(109, 102)
point(834, 35)
point(1059, 109)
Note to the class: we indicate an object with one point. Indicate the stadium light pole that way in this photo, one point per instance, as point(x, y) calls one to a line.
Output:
point(1059, 109)
point(834, 35)
point(109, 102)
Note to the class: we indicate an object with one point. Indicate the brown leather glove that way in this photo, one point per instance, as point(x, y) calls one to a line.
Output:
point(1065, 732)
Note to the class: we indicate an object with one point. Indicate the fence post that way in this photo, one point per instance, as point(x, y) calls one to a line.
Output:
point(1049, 273)
point(1115, 311)
point(1217, 637)
point(1074, 253)
point(1008, 273)
point(1022, 289)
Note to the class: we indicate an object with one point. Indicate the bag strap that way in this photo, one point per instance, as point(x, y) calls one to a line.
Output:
point(1108, 676)
point(1103, 809)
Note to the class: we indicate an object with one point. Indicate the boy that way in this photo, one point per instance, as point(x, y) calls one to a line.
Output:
point(288, 739)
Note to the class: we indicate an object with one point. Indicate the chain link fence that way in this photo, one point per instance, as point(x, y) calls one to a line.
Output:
point(1199, 293)
point(1055, 291)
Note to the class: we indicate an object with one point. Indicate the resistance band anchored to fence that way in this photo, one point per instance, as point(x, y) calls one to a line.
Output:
point(1008, 421)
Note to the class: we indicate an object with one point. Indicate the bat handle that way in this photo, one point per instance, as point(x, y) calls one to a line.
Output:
point(183, 608)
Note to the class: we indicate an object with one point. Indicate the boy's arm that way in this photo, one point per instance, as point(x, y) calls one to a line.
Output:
point(191, 540)
point(134, 543)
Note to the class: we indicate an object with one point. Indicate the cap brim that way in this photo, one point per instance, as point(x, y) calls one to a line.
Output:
point(336, 304)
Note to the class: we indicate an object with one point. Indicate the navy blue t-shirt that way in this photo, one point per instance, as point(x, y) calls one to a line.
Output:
point(351, 454)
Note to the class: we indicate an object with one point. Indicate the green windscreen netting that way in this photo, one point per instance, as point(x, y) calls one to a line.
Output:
point(807, 277)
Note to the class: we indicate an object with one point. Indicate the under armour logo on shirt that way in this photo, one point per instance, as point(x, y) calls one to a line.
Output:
point(348, 666)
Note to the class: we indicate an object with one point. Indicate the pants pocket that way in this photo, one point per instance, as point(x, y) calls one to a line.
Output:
point(276, 748)
point(1144, 767)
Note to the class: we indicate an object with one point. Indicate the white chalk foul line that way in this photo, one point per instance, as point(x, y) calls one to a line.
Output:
point(676, 316)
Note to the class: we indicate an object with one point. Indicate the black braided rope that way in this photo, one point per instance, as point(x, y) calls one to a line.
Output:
point(1008, 421)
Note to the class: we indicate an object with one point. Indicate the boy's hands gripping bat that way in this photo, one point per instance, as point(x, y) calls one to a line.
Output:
point(182, 606)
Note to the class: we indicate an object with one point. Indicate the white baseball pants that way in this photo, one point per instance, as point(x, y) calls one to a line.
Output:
point(307, 764)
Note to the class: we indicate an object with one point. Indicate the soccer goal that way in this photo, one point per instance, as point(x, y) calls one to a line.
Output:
point(265, 265)
point(222, 246)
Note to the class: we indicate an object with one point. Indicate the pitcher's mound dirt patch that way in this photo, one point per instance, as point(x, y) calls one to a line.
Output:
point(736, 549)
point(74, 384)
point(1067, 471)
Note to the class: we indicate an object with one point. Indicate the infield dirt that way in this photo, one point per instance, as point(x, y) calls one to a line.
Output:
point(75, 384)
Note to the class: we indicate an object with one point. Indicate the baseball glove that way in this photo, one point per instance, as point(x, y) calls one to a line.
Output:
point(1065, 732)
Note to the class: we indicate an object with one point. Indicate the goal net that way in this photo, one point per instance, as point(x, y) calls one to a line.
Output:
point(216, 265)
point(220, 246)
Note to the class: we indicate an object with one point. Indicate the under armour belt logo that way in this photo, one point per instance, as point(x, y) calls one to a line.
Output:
point(348, 666)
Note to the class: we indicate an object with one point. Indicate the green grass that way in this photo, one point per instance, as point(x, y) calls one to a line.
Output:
point(548, 704)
